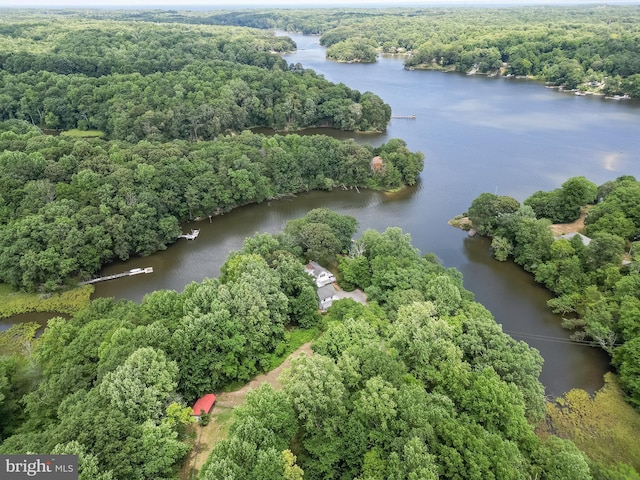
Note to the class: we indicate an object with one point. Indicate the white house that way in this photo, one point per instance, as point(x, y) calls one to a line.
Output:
point(326, 296)
point(322, 275)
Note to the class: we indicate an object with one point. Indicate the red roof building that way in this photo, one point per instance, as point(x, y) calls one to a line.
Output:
point(204, 403)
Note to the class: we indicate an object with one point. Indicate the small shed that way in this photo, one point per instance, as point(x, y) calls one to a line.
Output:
point(204, 404)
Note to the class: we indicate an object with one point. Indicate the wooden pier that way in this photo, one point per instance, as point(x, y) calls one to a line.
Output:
point(130, 273)
point(407, 117)
point(191, 236)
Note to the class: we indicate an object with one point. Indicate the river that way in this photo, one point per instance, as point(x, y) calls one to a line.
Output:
point(478, 134)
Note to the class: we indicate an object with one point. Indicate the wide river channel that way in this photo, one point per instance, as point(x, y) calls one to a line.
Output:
point(478, 134)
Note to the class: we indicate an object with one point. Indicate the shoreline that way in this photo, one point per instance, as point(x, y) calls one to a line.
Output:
point(68, 302)
point(463, 223)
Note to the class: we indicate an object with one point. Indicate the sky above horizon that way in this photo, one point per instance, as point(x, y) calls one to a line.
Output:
point(227, 4)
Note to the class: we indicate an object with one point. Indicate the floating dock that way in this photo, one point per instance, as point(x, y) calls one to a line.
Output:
point(408, 117)
point(130, 273)
point(191, 236)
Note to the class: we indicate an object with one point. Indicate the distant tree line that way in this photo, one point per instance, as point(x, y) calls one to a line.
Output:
point(165, 82)
point(99, 48)
point(596, 282)
point(569, 45)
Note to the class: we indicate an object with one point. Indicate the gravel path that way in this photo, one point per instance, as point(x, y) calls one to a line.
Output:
point(218, 427)
point(232, 399)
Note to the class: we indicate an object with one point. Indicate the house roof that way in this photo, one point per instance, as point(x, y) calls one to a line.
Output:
point(315, 269)
point(327, 291)
point(568, 236)
point(204, 403)
point(377, 163)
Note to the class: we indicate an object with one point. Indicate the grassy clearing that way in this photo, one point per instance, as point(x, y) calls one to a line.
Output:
point(83, 133)
point(293, 339)
point(575, 226)
point(205, 439)
point(604, 427)
point(71, 301)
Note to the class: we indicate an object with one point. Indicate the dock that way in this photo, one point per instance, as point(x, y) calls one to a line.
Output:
point(190, 236)
point(130, 273)
point(407, 117)
point(618, 97)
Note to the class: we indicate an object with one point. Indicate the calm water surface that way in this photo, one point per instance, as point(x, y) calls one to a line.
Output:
point(40, 318)
point(478, 134)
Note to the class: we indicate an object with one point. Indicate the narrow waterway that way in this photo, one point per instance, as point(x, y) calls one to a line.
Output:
point(478, 134)
point(41, 318)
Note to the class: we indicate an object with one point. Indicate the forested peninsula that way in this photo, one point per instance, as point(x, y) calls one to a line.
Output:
point(172, 105)
point(419, 383)
point(70, 205)
point(136, 81)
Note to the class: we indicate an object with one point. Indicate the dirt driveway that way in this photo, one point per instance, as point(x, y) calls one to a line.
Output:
point(232, 399)
point(222, 416)
point(357, 294)
point(577, 226)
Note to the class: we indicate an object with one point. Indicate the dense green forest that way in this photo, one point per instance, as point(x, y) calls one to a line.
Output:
point(68, 205)
point(137, 81)
point(591, 47)
point(420, 383)
point(596, 278)
point(172, 101)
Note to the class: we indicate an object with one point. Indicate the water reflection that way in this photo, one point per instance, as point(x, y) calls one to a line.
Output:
point(527, 318)
point(41, 318)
